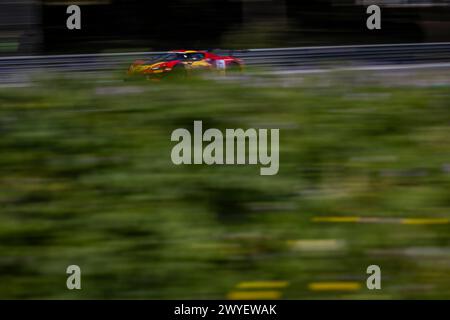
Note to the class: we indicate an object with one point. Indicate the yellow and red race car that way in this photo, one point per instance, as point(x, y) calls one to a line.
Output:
point(181, 63)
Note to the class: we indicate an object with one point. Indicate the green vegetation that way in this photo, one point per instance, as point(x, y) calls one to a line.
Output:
point(86, 179)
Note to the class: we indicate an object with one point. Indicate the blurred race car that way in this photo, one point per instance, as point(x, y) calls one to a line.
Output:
point(181, 63)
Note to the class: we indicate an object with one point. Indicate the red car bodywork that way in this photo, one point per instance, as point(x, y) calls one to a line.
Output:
point(183, 62)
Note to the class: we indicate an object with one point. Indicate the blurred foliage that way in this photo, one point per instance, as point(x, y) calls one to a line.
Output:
point(262, 35)
point(86, 179)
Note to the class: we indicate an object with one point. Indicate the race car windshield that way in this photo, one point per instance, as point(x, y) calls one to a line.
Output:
point(195, 56)
point(168, 57)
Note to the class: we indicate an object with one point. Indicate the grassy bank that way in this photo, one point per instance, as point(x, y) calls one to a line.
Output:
point(86, 179)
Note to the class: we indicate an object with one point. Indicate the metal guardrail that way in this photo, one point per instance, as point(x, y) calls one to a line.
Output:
point(281, 58)
point(369, 54)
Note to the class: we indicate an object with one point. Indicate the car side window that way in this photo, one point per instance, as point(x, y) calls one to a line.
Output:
point(181, 56)
point(197, 56)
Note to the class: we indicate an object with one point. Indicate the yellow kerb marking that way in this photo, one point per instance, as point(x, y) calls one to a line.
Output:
point(334, 286)
point(262, 285)
point(254, 295)
point(425, 221)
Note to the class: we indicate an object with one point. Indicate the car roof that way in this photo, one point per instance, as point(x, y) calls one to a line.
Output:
point(186, 51)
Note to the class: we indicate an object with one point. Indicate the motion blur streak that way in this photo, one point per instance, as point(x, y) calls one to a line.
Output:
point(334, 286)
